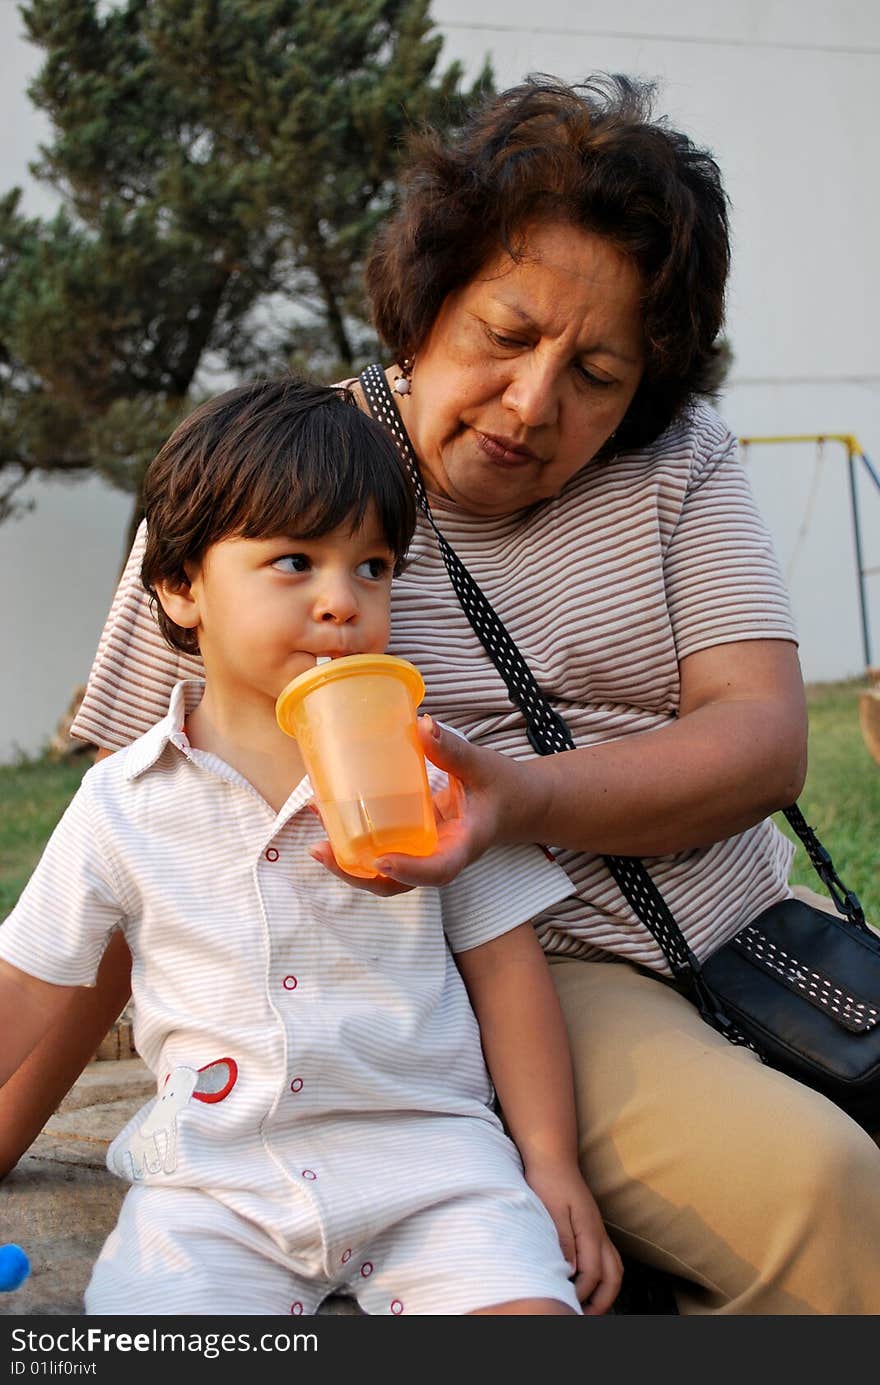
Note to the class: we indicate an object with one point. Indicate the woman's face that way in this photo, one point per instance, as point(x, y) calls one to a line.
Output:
point(527, 371)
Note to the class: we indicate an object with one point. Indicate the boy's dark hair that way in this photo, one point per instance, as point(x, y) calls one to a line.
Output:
point(592, 156)
point(267, 458)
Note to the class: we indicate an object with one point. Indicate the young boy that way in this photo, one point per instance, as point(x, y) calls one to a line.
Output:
point(324, 1117)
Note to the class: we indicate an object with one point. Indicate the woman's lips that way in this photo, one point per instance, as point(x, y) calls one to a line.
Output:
point(505, 451)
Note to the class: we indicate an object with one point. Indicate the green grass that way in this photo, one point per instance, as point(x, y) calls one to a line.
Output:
point(33, 795)
point(841, 801)
point(841, 798)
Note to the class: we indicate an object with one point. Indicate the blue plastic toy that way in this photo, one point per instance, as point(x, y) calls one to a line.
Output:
point(14, 1267)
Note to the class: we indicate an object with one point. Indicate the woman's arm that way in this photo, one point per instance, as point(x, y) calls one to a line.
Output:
point(33, 1092)
point(526, 1049)
point(736, 753)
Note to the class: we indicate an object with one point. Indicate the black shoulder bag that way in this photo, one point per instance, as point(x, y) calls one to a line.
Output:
point(799, 986)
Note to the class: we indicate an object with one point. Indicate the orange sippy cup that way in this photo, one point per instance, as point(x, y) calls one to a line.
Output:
point(354, 719)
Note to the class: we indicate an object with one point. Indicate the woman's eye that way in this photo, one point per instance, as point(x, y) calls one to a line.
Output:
point(292, 562)
point(374, 568)
point(511, 343)
point(601, 381)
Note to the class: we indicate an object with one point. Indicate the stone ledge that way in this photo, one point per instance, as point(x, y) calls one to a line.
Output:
point(60, 1214)
point(105, 1082)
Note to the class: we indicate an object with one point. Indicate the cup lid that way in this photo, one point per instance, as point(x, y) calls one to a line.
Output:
point(348, 666)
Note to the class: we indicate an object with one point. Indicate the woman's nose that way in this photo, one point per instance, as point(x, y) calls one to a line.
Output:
point(533, 391)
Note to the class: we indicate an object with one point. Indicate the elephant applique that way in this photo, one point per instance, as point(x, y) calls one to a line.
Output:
point(152, 1148)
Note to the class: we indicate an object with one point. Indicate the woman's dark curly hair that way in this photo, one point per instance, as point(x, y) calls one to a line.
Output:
point(590, 155)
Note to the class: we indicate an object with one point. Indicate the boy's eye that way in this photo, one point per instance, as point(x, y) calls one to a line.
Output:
point(374, 568)
point(292, 562)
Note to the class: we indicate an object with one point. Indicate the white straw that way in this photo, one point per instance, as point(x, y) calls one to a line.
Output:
point(323, 659)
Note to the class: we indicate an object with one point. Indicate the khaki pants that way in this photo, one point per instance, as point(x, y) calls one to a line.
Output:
point(761, 1195)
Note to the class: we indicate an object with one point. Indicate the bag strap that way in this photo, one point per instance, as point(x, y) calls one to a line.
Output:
point(548, 733)
point(846, 901)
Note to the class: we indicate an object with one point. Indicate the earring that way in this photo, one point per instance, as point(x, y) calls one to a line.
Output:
point(403, 382)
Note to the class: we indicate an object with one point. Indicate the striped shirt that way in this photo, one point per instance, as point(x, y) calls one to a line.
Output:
point(639, 562)
point(256, 973)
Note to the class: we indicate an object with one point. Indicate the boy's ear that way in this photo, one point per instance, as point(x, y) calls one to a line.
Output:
point(179, 603)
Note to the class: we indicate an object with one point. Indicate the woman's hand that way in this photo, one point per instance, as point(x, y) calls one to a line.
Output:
point(473, 812)
point(592, 1257)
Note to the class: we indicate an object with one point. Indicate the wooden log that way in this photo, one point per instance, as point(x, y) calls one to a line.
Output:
point(869, 719)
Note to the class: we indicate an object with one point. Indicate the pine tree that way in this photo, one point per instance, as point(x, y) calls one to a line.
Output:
point(221, 166)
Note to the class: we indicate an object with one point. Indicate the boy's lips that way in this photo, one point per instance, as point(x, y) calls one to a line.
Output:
point(333, 654)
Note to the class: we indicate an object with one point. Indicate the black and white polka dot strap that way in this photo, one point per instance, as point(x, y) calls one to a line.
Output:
point(548, 732)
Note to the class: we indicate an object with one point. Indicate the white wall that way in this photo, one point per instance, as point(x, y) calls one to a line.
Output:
point(58, 570)
point(787, 95)
point(58, 563)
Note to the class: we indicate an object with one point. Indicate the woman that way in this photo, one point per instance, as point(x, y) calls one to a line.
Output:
point(552, 288)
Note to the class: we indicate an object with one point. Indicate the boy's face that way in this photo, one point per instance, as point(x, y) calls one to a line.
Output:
point(265, 609)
